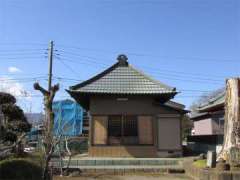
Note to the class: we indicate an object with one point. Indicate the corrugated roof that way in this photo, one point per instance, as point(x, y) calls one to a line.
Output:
point(122, 78)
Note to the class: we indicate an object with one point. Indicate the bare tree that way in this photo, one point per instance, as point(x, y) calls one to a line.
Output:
point(69, 152)
point(232, 118)
point(48, 139)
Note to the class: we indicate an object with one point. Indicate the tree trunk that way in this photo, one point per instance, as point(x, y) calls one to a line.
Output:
point(232, 120)
point(48, 140)
point(49, 143)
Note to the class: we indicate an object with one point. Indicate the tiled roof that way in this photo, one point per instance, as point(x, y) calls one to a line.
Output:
point(196, 115)
point(122, 78)
point(175, 105)
point(213, 102)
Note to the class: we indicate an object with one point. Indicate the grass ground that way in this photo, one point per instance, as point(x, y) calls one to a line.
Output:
point(200, 163)
point(128, 177)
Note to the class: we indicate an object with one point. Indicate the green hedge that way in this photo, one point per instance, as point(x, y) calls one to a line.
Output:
point(19, 169)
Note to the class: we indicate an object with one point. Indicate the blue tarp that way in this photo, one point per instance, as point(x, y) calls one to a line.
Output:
point(68, 118)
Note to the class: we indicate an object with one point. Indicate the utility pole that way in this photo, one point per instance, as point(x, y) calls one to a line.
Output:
point(50, 59)
point(49, 141)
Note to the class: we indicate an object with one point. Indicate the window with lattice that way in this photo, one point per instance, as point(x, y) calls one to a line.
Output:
point(122, 129)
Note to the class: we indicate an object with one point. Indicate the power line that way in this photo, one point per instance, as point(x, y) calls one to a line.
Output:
point(84, 59)
point(181, 90)
point(186, 76)
point(156, 70)
point(90, 58)
point(169, 76)
point(83, 62)
point(19, 79)
point(180, 72)
point(101, 64)
point(66, 79)
point(182, 58)
point(67, 66)
point(22, 44)
point(21, 50)
point(24, 57)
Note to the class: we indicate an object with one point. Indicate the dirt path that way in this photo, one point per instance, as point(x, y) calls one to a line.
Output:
point(128, 177)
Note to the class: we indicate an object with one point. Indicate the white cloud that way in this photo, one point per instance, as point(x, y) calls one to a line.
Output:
point(11, 86)
point(13, 69)
point(15, 88)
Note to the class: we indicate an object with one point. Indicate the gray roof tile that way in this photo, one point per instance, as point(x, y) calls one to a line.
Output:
point(122, 78)
point(213, 102)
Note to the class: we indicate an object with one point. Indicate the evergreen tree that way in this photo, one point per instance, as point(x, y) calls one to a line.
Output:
point(13, 123)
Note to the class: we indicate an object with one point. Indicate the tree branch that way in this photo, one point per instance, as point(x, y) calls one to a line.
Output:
point(53, 91)
point(41, 89)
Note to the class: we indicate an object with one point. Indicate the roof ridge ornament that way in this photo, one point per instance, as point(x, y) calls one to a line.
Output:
point(122, 60)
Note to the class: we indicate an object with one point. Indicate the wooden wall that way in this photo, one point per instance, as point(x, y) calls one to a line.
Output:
point(100, 130)
point(169, 134)
point(145, 130)
point(99, 147)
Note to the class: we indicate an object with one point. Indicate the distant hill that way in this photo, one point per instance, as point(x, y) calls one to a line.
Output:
point(35, 118)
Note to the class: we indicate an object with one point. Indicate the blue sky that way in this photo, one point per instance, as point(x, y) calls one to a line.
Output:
point(192, 45)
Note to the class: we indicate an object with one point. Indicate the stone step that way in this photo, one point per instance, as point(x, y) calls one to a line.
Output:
point(128, 169)
point(119, 162)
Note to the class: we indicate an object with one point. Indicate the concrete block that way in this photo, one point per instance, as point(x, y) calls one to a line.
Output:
point(109, 171)
point(118, 171)
point(108, 162)
point(204, 175)
point(220, 176)
point(100, 162)
point(135, 162)
point(148, 170)
point(211, 159)
point(128, 171)
point(99, 171)
point(116, 162)
point(139, 170)
point(235, 175)
point(90, 171)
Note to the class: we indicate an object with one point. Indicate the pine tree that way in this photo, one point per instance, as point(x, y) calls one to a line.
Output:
point(13, 124)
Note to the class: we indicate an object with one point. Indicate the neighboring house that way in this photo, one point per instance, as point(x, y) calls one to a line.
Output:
point(208, 120)
point(35, 119)
point(35, 135)
point(131, 114)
